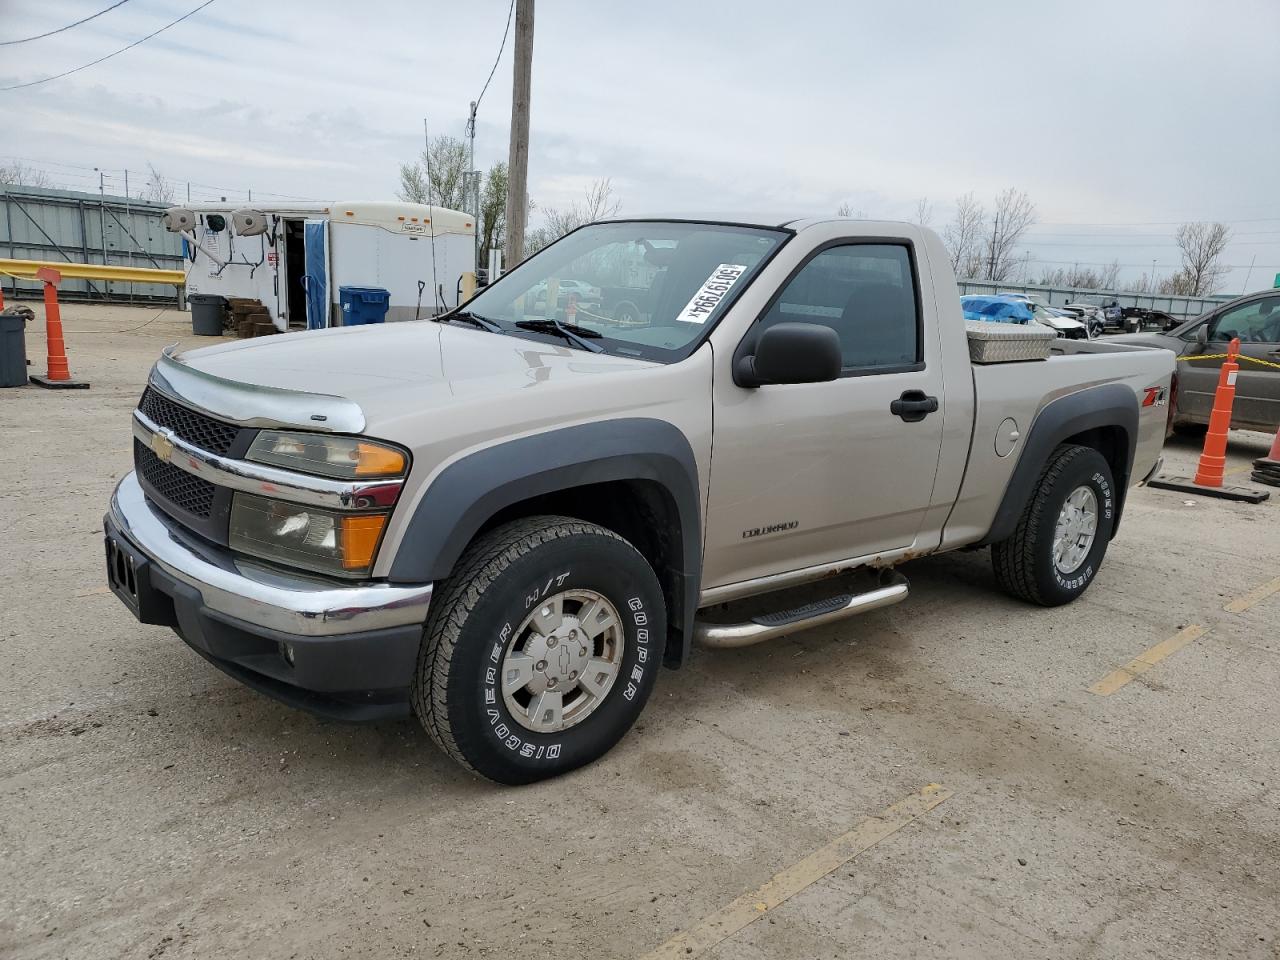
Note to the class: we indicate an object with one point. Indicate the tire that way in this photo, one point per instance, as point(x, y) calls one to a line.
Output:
point(477, 629)
point(1025, 562)
point(626, 312)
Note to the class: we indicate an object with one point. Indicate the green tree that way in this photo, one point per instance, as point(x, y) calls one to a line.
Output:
point(493, 212)
point(438, 176)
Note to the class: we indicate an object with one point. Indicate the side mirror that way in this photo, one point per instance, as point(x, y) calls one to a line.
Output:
point(791, 353)
point(1202, 336)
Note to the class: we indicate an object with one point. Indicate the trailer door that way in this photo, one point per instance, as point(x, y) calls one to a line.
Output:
point(316, 278)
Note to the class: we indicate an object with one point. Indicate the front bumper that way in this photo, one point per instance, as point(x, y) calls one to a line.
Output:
point(343, 650)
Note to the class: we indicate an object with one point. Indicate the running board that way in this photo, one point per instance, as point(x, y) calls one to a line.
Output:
point(893, 589)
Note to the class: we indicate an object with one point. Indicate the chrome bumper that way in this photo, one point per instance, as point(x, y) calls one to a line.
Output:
point(258, 595)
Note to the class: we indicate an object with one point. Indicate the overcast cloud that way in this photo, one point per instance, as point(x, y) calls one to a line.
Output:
point(1117, 118)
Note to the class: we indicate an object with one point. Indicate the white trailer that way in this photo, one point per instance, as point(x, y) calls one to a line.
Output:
point(294, 259)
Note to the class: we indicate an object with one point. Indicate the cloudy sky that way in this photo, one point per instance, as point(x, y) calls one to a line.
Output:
point(1118, 118)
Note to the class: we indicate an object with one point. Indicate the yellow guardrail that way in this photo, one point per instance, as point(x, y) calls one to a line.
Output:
point(1222, 356)
point(26, 270)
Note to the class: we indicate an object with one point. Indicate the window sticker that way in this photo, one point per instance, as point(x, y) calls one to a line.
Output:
point(708, 297)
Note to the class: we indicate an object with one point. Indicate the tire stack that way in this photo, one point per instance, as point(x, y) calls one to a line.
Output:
point(1266, 470)
point(250, 318)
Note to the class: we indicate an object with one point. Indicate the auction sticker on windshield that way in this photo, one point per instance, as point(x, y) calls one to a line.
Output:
point(708, 297)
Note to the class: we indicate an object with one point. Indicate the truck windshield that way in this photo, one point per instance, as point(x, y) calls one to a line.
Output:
point(640, 288)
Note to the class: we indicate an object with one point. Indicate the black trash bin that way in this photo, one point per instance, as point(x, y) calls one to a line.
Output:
point(207, 313)
point(13, 350)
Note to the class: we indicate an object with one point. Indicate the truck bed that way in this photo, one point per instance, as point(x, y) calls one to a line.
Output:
point(1019, 391)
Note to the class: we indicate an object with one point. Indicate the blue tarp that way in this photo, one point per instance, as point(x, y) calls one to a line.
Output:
point(996, 309)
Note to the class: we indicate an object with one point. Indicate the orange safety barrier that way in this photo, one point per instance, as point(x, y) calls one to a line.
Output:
point(59, 375)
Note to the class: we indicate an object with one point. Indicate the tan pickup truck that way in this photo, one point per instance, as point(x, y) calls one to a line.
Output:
point(508, 518)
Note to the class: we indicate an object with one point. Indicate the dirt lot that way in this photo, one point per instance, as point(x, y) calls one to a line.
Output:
point(150, 806)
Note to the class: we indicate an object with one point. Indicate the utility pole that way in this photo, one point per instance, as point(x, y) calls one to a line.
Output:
point(474, 176)
point(518, 159)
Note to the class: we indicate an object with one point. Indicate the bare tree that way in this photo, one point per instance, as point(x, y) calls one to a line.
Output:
point(924, 212)
point(1179, 283)
point(1014, 213)
point(1109, 277)
point(18, 174)
point(598, 204)
point(846, 210)
point(438, 176)
point(962, 236)
point(1202, 246)
point(156, 188)
point(1084, 277)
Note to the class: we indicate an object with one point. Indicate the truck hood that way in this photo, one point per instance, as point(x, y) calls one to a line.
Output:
point(396, 369)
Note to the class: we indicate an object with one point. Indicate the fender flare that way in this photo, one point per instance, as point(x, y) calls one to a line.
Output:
point(471, 490)
point(1106, 405)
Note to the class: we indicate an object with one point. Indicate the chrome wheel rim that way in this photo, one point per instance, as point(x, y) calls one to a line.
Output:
point(1075, 530)
point(562, 661)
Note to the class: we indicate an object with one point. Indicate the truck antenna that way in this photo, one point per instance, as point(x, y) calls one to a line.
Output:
point(431, 214)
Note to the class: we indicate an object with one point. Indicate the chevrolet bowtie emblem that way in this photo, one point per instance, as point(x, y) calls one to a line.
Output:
point(162, 447)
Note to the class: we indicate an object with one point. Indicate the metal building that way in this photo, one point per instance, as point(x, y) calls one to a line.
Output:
point(66, 225)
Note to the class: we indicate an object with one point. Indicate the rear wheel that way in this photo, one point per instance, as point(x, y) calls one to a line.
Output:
point(541, 649)
point(1062, 535)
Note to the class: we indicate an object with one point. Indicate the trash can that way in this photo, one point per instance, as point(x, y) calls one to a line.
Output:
point(207, 313)
point(13, 349)
point(363, 305)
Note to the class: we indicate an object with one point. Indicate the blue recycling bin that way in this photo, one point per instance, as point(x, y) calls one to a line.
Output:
point(362, 305)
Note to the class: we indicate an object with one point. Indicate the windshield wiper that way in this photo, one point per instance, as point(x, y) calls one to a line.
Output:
point(570, 331)
point(466, 316)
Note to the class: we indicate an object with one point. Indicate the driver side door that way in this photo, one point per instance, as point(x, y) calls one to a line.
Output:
point(1257, 401)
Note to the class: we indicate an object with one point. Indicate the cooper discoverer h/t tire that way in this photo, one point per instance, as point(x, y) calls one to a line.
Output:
point(1057, 547)
point(540, 650)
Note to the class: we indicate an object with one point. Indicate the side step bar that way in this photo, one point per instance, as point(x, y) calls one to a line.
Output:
point(893, 589)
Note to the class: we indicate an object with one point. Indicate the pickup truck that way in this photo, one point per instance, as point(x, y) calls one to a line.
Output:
point(507, 518)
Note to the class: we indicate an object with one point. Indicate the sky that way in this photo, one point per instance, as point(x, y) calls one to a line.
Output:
point(1119, 119)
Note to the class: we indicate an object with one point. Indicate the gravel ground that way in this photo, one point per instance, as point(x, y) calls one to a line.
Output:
point(150, 806)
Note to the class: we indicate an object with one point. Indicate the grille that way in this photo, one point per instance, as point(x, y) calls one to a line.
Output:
point(195, 428)
point(180, 488)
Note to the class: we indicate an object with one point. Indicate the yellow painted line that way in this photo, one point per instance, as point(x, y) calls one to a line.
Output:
point(1136, 667)
point(1235, 470)
point(1253, 597)
point(751, 906)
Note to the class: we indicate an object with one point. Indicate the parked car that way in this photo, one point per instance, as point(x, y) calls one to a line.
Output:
point(1091, 314)
point(1020, 308)
point(1255, 320)
point(1000, 308)
point(1140, 318)
point(507, 523)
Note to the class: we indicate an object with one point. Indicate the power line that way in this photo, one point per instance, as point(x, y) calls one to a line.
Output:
point(94, 63)
point(498, 58)
point(1089, 263)
point(1151, 223)
point(41, 36)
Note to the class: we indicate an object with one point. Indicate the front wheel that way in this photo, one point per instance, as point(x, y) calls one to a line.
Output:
point(540, 650)
point(1062, 535)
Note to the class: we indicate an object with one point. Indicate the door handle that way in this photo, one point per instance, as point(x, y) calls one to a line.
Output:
point(913, 405)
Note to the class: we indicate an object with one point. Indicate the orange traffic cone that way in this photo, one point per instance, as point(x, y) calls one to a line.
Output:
point(1213, 459)
point(59, 375)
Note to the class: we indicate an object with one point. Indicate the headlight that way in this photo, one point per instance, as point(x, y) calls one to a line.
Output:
point(305, 537)
point(347, 458)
